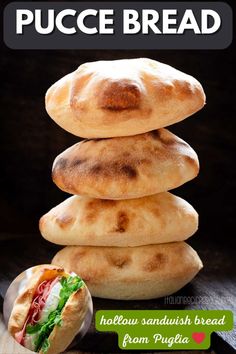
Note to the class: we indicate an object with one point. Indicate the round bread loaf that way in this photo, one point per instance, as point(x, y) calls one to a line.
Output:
point(83, 221)
point(122, 97)
point(136, 273)
point(126, 167)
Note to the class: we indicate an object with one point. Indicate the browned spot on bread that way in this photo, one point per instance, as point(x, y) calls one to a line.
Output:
point(97, 203)
point(113, 169)
point(163, 91)
point(77, 162)
point(129, 171)
point(92, 275)
point(126, 154)
point(80, 253)
point(61, 163)
point(155, 134)
point(122, 222)
point(92, 211)
point(166, 139)
point(155, 263)
point(96, 169)
point(91, 217)
point(119, 261)
point(65, 221)
point(119, 95)
point(158, 135)
point(60, 177)
point(183, 88)
point(107, 202)
point(94, 207)
point(156, 211)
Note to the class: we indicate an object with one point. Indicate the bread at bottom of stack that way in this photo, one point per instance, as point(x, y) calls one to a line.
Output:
point(136, 273)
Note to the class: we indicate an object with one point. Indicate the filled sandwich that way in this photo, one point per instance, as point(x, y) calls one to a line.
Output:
point(50, 311)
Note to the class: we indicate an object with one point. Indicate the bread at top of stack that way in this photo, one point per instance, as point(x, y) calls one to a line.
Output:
point(126, 167)
point(155, 219)
point(122, 97)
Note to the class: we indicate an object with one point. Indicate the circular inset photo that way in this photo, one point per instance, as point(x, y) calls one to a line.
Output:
point(47, 309)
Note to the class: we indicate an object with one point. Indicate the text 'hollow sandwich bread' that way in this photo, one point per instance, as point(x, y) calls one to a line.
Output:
point(159, 218)
point(126, 167)
point(50, 311)
point(135, 273)
point(122, 97)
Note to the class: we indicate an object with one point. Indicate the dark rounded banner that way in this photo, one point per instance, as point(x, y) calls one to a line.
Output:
point(118, 25)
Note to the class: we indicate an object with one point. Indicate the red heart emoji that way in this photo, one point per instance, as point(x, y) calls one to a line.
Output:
point(198, 337)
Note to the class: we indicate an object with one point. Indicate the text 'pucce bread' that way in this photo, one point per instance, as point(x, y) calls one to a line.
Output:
point(160, 218)
point(126, 167)
point(122, 97)
point(135, 273)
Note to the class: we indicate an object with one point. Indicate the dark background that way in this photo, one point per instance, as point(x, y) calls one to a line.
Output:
point(30, 140)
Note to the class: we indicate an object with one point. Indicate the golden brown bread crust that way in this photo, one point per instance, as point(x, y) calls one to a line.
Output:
point(126, 167)
point(73, 313)
point(135, 273)
point(81, 221)
point(122, 97)
point(23, 301)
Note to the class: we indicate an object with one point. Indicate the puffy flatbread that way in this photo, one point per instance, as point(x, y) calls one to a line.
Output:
point(122, 97)
point(127, 167)
point(159, 218)
point(135, 273)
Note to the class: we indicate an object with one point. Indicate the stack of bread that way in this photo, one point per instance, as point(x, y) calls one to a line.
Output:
point(123, 231)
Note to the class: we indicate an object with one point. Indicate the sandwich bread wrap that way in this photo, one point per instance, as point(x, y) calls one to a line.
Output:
point(50, 311)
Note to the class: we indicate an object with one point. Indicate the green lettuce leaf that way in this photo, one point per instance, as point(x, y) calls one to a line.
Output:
point(33, 329)
point(45, 346)
point(69, 286)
